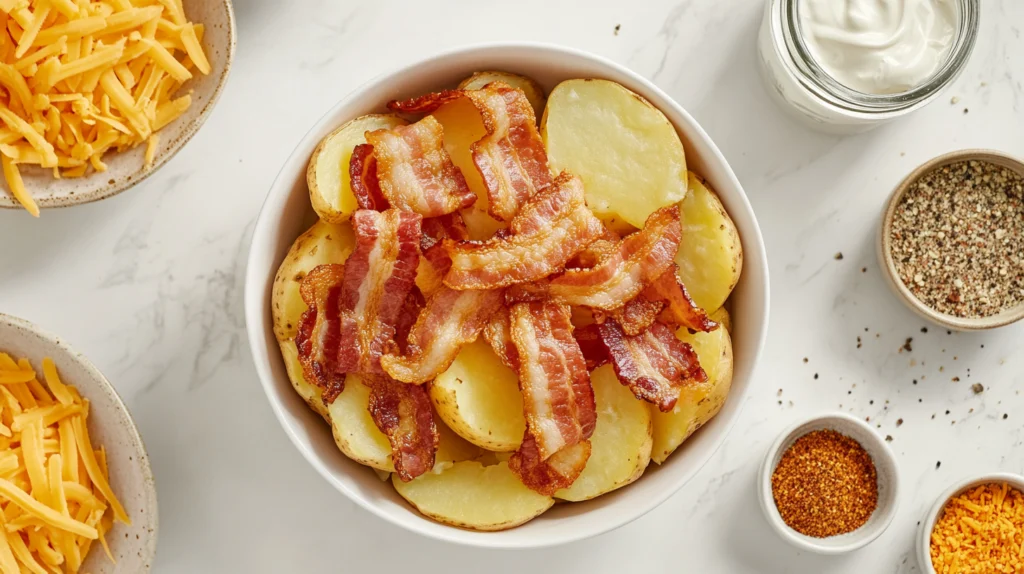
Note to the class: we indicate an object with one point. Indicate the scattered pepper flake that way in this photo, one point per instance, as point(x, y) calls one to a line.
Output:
point(978, 388)
point(839, 256)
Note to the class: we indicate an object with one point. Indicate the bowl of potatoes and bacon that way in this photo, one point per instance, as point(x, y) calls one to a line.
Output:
point(488, 290)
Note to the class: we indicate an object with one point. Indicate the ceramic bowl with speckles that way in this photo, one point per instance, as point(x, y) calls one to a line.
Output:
point(126, 169)
point(110, 425)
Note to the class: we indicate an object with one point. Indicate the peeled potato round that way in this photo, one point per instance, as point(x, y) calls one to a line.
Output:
point(330, 187)
point(471, 495)
point(621, 444)
point(534, 93)
point(698, 406)
point(478, 397)
point(625, 150)
point(710, 257)
point(320, 244)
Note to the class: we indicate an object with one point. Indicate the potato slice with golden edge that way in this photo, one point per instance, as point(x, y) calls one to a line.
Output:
point(308, 392)
point(354, 431)
point(626, 151)
point(693, 410)
point(330, 188)
point(710, 255)
point(471, 495)
point(463, 127)
point(478, 397)
point(534, 93)
point(621, 445)
point(723, 318)
point(320, 244)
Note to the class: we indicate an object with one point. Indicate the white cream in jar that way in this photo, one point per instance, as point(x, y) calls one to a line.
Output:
point(878, 46)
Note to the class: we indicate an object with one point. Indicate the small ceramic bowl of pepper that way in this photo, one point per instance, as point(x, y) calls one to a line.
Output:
point(950, 236)
point(980, 510)
point(835, 511)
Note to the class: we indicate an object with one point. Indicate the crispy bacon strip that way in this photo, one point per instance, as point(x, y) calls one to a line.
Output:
point(655, 365)
point(319, 334)
point(640, 259)
point(551, 228)
point(415, 172)
point(511, 156)
point(637, 314)
point(498, 333)
point(407, 317)
point(450, 320)
point(405, 415)
point(557, 397)
point(589, 340)
point(378, 277)
point(362, 172)
point(560, 470)
point(680, 309)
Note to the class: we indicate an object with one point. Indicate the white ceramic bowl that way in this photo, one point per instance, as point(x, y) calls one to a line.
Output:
point(924, 531)
point(287, 212)
point(885, 466)
point(126, 169)
point(110, 425)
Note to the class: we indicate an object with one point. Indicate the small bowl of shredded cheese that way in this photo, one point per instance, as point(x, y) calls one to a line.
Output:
point(977, 526)
point(76, 490)
point(96, 95)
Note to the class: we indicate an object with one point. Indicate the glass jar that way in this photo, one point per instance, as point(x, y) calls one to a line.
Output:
point(801, 86)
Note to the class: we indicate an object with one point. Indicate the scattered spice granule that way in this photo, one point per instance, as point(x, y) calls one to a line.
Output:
point(815, 376)
point(954, 100)
point(839, 256)
point(888, 438)
point(978, 388)
point(805, 359)
point(956, 379)
point(863, 269)
point(825, 484)
point(906, 344)
point(924, 329)
point(1005, 416)
point(899, 423)
point(980, 531)
point(617, 28)
point(965, 111)
point(957, 239)
point(938, 464)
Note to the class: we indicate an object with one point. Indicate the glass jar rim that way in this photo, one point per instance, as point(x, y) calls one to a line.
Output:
point(823, 85)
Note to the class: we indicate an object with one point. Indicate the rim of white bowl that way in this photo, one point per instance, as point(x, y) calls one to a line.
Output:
point(104, 385)
point(837, 421)
point(924, 531)
point(254, 311)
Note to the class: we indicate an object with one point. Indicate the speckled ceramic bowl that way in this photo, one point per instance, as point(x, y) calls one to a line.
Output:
point(127, 168)
point(110, 425)
point(884, 248)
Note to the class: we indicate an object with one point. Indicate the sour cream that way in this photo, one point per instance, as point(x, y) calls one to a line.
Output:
point(878, 46)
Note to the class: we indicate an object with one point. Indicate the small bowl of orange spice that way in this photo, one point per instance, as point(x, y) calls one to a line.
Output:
point(976, 526)
point(829, 484)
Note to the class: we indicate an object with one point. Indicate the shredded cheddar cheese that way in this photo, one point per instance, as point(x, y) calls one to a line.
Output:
point(980, 531)
point(79, 78)
point(55, 494)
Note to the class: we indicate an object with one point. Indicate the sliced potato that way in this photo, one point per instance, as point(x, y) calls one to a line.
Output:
point(320, 244)
point(330, 188)
point(478, 397)
point(471, 495)
point(696, 408)
point(626, 151)
point(462, 128)
point(534, 93)
point(354, 431)
point(308, 392)
point(621, 445)
point(723, 318)
point(710, 257)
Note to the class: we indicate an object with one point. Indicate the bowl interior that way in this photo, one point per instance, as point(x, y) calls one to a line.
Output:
point(287, 213)
point(127, 168)
point(888, 484)
point(1005, 317)
point(111, 426)
point(925, 529)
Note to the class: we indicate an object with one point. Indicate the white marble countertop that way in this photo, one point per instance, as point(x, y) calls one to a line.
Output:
point(149, 286)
